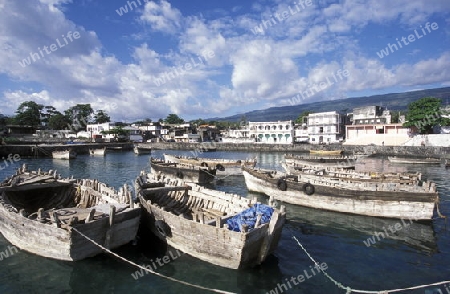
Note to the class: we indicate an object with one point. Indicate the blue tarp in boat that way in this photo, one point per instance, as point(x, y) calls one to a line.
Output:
point(248, 217)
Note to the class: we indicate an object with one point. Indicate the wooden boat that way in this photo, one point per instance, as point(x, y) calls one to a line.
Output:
point(39, 212)
point(222, 166)
point(350, 176)
point(317, 161)
point(64, 154)
point(395, 159)
point(391, 200)
point(186, 172)
point(326, 152)
point(208, 224)
point(100, 151)
point(142, 149)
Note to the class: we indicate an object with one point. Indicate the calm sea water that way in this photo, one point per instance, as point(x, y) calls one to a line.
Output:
point(416, 254)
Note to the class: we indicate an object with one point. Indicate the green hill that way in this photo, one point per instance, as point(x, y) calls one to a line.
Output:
point(393, 101)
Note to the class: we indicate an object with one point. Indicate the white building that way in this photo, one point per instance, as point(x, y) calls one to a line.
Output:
point(301, 134)
point(326, 127)
point(237, 136)
point(96, 132)
point(280, 132)
point(370, 115)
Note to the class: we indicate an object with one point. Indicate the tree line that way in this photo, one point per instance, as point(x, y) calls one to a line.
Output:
point(30, 113)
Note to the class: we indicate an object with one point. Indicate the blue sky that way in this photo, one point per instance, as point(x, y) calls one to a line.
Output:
point(199, 59)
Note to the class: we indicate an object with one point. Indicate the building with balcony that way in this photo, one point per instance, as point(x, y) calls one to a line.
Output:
point(370, 115)
point(280, 132)
point(326, 127)
point(372, 125)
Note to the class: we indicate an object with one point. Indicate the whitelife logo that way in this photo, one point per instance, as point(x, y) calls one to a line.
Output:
point(34, 56)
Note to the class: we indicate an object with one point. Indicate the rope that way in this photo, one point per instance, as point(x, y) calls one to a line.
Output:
point(351, 290)
point(148, 270)
point(438, 211)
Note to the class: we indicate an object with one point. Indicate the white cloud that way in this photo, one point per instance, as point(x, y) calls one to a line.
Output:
point(246, 69)
point(162, 17)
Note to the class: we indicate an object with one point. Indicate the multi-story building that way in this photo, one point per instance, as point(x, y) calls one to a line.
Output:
point(100, 132)
point(326, 127)
point(372, 125)
point(370, 115)
point(280, 132)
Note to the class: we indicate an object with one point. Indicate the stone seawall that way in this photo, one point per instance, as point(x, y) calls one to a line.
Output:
point(196, 149)
point(412, 151)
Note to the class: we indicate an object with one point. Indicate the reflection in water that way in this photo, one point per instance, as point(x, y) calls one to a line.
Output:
point(418, 254)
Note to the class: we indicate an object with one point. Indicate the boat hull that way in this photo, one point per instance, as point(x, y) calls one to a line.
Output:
point(142, 150)
point(208, 241)
point(89, 207)
point(64, 155)
point(99, 152)
point(192, 174)
point(370, 203)
point(341, 162)
point(326, 152)
point(230, 167)
point(52, 242)
point(394, 159)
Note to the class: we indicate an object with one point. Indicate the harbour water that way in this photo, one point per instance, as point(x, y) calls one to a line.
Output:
point(418, 253)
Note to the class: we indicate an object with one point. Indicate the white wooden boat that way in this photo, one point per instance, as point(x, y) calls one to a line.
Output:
point(348, 175)
point(142, 149)
point(410, 160)
point(64, 154)
point(98, 151)
point(222, 166)
point(208, 224)
point(318, 161)
point(326, 152)
point(187, 172)
point(391, 200)
point(39, 210)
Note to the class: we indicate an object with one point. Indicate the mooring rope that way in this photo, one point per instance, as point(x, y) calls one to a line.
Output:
point(351, 290)
point(146, 269)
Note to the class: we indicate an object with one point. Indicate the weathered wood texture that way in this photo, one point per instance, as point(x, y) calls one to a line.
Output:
point(387, 200)
point(194, 218)
point(188, 173)
point(40, 220)
point(230, 166)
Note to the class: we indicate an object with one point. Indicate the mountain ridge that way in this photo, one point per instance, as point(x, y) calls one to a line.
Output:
point(393, 101)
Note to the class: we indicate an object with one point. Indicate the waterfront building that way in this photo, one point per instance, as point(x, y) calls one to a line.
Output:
point(153, 131)
point(280, 132)
point(370, 115)
point(326, 127)
point(182, 133)
point(241, 135)
point(208, 133)
point(372, 125)
point(99, 132)
point(301, 134)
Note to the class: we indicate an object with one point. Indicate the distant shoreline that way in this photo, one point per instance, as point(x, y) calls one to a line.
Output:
point(29, 149)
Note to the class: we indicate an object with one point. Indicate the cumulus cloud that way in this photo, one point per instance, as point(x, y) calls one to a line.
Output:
point(244, 71)
point(162, 17)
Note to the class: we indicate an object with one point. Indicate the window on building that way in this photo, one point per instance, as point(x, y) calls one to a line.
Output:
point(321, 130)
point(287, 127)
point(328, 129)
